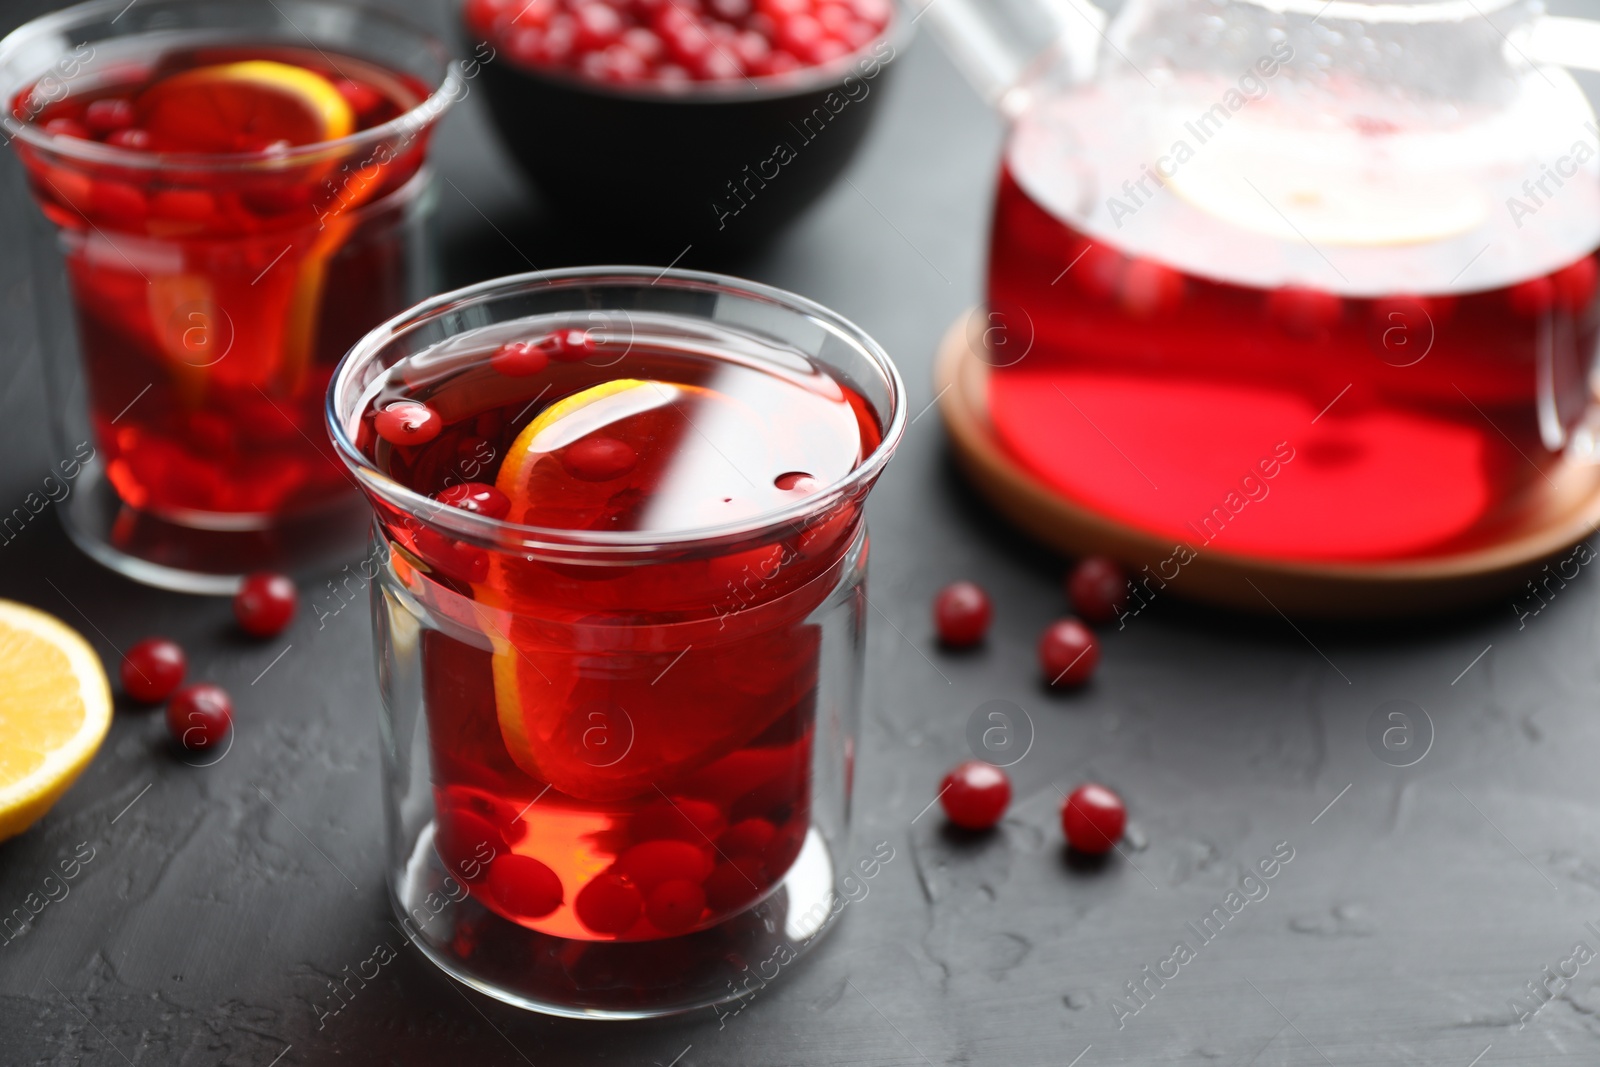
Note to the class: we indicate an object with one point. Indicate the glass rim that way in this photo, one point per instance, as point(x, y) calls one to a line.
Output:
point(897, 33)
point(419, 117)
point(339, 405)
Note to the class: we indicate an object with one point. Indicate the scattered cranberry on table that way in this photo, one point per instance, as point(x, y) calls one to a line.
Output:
point(975, 794)
point(199, 716)
point(961, 613)
point(675, 42)
point(265, 603)
point(152, 669)
point(408, 422)
point(1097, 588)
point(1068, 653)
point(1093, 818)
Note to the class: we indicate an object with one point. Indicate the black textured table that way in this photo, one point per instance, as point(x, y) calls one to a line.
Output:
point(1417, 907)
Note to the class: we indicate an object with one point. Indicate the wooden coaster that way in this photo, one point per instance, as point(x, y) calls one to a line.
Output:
point(1569, 512)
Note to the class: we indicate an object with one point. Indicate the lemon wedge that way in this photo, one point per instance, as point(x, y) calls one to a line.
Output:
point(240, 107)
point(55, 708)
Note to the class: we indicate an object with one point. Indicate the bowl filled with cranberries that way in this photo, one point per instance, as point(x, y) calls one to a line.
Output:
point(692, 127)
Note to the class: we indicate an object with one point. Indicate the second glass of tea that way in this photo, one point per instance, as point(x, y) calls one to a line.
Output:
point(619, 590)
point(230, 195)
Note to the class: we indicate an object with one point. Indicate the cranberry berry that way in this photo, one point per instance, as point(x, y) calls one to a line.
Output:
point(1097, 588)
point(569, 346)
point(199, 716)
point(961, 612)
point(975, 794)
point(152, 669)
point(1093, 818)
point(519, 359)
point(408, 422)
point(1068, 653)
point(265, 603)
point(476, 497)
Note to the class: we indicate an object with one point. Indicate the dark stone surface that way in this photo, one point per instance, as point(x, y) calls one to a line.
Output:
point(220, 901)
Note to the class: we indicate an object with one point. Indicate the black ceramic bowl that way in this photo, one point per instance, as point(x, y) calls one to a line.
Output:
point(717, 168)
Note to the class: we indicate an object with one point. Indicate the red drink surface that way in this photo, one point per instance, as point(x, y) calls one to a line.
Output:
point(629, 744)
point(214, 298)
point(1218, 384)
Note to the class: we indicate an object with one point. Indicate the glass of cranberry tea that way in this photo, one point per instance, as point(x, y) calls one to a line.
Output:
point(229, 196)
point(619, 563)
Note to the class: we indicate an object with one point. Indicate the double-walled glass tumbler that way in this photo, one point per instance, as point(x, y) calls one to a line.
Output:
point(230, 195)
point(619, 565)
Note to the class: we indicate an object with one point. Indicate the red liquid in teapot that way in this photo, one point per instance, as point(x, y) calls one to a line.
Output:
point(1204, 347)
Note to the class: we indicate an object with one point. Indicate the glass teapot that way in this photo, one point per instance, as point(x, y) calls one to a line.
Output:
point(1311, 280)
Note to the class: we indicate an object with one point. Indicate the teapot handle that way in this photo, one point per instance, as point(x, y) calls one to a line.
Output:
point(994, 42)
point(1563, 41)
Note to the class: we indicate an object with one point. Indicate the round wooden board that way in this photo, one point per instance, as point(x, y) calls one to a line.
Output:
point(1562, 517)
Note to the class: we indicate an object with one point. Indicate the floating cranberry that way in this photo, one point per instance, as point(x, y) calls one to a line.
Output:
point(65, 127)
point(675, 906)
point(653, 862)
point(363, 99)
point(476, 497)
point(524, 886)
point(975, 794)
point(1304, 312)
point(265, 603)
point(1068, 653)
point(135, 139)
point(734, 884)
point(1534, 297)
point(961, 613)
point(455, 559)
point(466, 841)
point(408, 422)
point(519, 359)
point(1150, 289)
point(569, 346)
point(695, 821)
point(199, 716)
point(608, 905)
point(597, 458)
point(747, 837)
point(109, 115)
point(1097, 588)
point(1093, 818)
point(152, 669)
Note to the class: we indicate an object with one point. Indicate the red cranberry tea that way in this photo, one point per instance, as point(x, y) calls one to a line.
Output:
point(674, 42)
point(631, 743)
point(214, 295)
point(1251, 334)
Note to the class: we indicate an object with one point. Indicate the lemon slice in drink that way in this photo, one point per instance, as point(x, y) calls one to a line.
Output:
point(55, 708)
point(242, 107)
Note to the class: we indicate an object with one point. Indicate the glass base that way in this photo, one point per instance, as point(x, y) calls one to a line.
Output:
point(191, 559)
point(614, 979)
